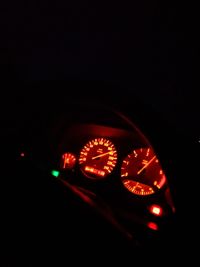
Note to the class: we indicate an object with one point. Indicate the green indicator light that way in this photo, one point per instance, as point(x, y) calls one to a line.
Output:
point(55, 173)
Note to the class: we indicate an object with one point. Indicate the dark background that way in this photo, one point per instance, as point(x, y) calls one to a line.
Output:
point(144, 50)
point(146, 47)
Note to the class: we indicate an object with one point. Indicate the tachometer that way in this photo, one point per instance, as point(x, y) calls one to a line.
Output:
point(98, 158)
point(141, 172)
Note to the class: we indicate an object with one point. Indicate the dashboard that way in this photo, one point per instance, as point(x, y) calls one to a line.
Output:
point(82, 161)
point(118, 168)
point(139, 178)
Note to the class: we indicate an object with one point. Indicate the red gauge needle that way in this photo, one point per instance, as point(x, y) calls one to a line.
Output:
point(101, 155)
point(146, 165)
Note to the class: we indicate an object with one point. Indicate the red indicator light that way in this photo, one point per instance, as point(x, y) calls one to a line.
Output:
point(156, 210)
point(22, 154)
point(152, 226)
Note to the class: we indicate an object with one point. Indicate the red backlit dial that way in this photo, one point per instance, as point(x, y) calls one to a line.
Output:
point(98, 158)
point(68, 161)
point(141, 172)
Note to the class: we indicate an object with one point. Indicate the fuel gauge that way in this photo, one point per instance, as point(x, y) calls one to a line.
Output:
point(68, 161)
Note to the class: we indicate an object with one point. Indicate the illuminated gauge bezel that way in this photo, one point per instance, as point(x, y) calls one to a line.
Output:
point(98, 146)
point(142, 159)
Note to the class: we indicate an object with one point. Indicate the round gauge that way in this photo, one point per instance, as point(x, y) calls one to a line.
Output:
point(98, 158)
point(68, 161)
point(141, 172)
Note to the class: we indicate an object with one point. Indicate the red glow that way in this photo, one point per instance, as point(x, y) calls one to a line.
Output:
point(156, 210)
point(22, 154)
point(68, 161)
point(95, 171)
point(162, 181)
point(152, 226)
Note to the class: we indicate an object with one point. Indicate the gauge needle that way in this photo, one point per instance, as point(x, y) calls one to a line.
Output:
point(146, 165)
point(101, 155)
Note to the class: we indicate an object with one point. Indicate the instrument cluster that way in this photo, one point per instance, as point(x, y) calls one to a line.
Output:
point(105, 155)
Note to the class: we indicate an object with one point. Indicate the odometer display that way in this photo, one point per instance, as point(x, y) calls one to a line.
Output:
point(98, 158)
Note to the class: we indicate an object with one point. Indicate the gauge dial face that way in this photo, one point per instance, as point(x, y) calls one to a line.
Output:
point(68, 161)
point(141, 172)
point(98, 158)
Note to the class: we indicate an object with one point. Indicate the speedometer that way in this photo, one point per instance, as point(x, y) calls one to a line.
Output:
point(98, 158)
